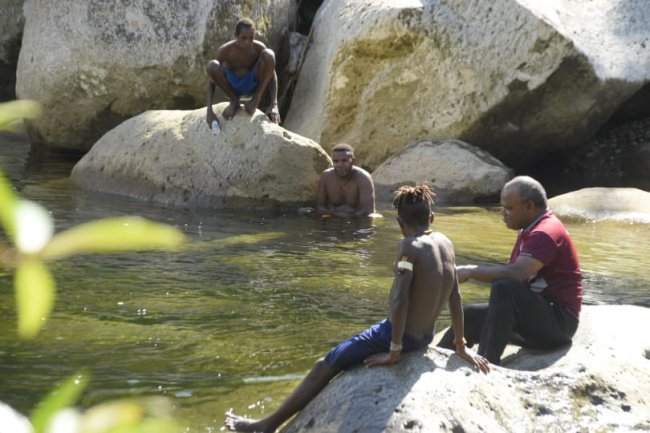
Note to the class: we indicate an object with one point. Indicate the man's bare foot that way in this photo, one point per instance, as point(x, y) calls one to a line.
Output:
point(251, 105)
point(231, 110)
point(241, 424)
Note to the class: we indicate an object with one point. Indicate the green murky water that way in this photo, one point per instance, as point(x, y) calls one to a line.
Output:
point(240, 315)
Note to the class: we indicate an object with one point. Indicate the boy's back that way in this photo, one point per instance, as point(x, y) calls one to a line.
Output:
point(433, 280)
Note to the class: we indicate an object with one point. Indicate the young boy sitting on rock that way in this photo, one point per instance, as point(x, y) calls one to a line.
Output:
point(425, 280)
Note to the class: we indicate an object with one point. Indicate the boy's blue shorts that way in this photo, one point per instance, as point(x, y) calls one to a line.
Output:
point(375, 339)
point(244, 85)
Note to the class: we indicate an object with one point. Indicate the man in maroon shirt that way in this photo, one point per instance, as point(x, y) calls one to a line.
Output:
point(535, 299)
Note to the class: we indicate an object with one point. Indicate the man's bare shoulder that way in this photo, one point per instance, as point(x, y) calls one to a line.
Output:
point(259, 46)
point(362, 173)
point(361, 176)
point(225, 49)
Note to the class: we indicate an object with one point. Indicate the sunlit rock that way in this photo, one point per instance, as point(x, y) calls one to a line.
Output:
point(173, 157)
point(518, 78)
point(457, 171)
point(93, 64)
point(601, 204)
point(601, 383)
point(12, 421)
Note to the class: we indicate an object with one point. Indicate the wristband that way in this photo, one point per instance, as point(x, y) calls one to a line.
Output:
point(460, 342)
point(395, 347)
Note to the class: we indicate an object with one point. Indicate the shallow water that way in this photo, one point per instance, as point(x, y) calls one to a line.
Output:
point(240, 314)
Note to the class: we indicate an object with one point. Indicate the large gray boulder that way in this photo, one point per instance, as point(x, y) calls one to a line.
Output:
point(93, 64)
point(457, 171)
point(518, 78)
point(604, 204)
point(599, 384)
point(173, 157)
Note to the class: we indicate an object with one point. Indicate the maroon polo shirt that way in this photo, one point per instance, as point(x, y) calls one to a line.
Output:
point(559, 280)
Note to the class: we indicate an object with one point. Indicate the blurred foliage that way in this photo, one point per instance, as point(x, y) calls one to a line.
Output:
point(29, 229)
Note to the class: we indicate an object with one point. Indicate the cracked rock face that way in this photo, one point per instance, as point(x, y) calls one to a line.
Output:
point(173, 157)
point(600, 383)
point(517, 78)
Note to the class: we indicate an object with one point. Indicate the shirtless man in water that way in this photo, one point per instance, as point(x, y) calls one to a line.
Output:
point(244, 66)
point(425, 280)
point(345, 190)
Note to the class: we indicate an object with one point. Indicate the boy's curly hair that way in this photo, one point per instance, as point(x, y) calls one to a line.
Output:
point(414, 204)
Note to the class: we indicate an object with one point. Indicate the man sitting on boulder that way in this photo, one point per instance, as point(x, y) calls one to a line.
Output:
point(536, 298)
point(425, 280)
point(345, 190)
point(244, 66)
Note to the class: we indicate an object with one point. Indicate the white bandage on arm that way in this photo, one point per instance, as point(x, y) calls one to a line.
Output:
point(404, 264)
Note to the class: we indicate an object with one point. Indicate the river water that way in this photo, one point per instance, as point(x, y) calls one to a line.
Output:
point(240, 314)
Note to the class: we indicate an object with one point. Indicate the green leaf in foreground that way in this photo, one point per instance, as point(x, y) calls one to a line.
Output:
point(148, 415)
point(14, 111)
point(35, 292)
point(8, 200)
point(65, 395)
point(113, 235)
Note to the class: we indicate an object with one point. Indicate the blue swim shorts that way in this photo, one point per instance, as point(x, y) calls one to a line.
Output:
point(244, 85)
point(375, 339)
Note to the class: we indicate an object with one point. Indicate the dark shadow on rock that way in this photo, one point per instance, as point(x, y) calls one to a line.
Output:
point(529, 359)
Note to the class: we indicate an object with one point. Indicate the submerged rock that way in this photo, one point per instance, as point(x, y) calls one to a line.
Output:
point(602, 204)
point(457, 171)
point(173, 157)
point(600, 383)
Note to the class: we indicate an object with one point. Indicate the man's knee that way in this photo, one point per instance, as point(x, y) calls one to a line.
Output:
point(212, 68)
point(503, 294)
point(504, 287)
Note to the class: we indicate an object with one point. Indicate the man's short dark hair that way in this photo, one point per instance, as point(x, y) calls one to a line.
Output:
point(343, 147)
point(529, 189)
point(414, 204)
point(244, 22)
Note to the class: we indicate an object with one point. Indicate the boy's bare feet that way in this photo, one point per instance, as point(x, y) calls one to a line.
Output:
point(241, 424)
